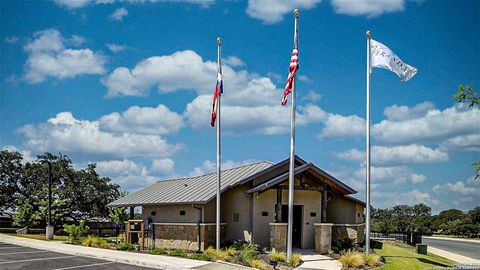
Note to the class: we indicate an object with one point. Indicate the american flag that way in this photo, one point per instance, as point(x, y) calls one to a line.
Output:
point(216, 94)
point(293, 70)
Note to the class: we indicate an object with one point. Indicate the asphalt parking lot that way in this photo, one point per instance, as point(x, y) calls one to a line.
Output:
point(18, 257)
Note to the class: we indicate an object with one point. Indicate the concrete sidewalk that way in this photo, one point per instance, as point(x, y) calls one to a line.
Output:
point(312, 260)
point(452, 256)
point(133, 258)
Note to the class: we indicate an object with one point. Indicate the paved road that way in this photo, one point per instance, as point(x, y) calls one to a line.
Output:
point(465, 248)
point(14, 257)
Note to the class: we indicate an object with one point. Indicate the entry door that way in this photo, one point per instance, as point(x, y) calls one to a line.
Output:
point(297, 223)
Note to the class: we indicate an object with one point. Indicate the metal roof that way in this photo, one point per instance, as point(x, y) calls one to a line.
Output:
point(198, 189)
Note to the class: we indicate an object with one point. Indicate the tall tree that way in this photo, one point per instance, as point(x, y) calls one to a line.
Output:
point(467, 95)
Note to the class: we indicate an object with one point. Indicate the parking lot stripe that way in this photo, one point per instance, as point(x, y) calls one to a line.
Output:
point(23, 252)
point(83, 266)
point(39, 259)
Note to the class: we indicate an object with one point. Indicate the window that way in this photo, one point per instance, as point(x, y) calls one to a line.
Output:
point(182, 213)
point(313, 214)
point(236, 217)
point(264, 214)
point(153, 213)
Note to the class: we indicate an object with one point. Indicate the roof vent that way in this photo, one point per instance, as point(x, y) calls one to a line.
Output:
point(186, 185)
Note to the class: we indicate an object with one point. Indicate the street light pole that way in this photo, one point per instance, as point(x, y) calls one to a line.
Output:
point(50, 228)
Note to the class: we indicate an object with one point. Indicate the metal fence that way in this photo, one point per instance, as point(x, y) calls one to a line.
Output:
point(408, 238)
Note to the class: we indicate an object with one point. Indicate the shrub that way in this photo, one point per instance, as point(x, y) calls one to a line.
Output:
point(158, 251)
point(259, 264)
point(88, 241)
point(275, 255)
point(100, 243)
point(75, 233)
point(243, 245)
point(351, 259)
point(244, 257)
point(295, 259)
point(178, 253)
point(343, 245)
point(200, 257)
point(372, 260)
point(125, 246)
point(222, 255)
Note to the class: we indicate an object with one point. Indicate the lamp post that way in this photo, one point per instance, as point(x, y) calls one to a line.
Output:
point(49, 230)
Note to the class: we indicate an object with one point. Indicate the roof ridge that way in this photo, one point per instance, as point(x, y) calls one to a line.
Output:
point(191, 177)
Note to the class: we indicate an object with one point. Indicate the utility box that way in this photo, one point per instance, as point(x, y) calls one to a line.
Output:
point(421, 249)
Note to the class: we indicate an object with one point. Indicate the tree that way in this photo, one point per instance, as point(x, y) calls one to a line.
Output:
point(25, 216)
point(11, 171)
point(467, 95)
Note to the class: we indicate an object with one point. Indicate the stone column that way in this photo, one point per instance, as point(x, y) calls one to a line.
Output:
point(323, 237)
point(278, 236)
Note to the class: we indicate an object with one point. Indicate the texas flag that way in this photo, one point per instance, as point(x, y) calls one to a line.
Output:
point(216, 94)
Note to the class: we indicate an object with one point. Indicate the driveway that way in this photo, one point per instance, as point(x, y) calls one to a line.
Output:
point(468, 248)
point(17, 257)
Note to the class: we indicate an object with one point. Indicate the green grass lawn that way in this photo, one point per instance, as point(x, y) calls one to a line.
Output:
point(401, 256)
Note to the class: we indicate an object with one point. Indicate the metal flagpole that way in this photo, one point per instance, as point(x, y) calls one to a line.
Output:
point(219, 42)
point(291, 178)
point(367, 146)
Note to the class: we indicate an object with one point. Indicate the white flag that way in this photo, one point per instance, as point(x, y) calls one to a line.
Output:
point(383, 57)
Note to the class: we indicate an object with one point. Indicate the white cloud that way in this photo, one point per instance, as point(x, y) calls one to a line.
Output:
point(144, 120)
point(118, 14)
point(48, 57)
point(369, 8)
point(233, 61)
point(76, 40)
point(68, 135)
point(209, 166)
point(397, 155)
point(125, 167)
point(312, 96)
point(116, 48)
point(72, 4)
point(462, 143)
point(416, 196)
point(27, 155)
point(401, 113)
point(272, 11)
point(436, 125)
point(183, 70)
point(11, 39)
point(409, 126)
point(304, 78)
point(165, 166)
point(339, 126)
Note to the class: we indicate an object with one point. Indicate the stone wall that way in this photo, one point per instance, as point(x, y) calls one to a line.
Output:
point(184, 235)
point(323, 237)
point(278, 236)
point(356, 232)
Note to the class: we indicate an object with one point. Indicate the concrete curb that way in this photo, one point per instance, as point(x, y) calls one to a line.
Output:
point(452, 239)
point(138, 259)
point(452, 256)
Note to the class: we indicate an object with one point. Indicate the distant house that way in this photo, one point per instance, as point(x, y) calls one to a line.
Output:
point(254, 202)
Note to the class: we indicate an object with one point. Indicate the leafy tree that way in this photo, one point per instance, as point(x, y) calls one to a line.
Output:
point(11, 171)
point(467, 95)
point(25, 216)
point(75, 233)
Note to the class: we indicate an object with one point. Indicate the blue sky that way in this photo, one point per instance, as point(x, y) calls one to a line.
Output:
point(128, 84)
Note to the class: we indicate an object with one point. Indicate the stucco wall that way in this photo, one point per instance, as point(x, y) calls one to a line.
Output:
point(359, 216)
point(265, 202)
point(171, 213)
point(236, 201)
point(340, 210)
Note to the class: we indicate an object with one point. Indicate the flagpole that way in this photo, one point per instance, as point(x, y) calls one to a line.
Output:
point(219, 43)
point(291, 177)
point(367, 146)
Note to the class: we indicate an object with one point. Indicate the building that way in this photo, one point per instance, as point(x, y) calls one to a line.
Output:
point(254, 207)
